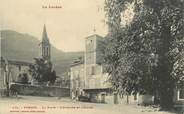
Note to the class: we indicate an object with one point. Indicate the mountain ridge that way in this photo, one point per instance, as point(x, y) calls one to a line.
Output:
point(25, 47)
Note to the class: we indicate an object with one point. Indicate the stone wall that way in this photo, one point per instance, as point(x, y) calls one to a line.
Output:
point(114, 98)
point(36, 90)
point(145, 99)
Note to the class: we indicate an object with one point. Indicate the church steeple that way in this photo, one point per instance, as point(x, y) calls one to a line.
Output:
point(44, 35)
point(45, 45)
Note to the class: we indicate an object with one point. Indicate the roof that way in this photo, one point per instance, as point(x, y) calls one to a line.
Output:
point(76, 63)
point(96, 35)
point(15, 62)
point(23, 63)
point(94, 90)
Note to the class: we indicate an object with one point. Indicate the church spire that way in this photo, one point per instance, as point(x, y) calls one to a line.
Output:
point(44, 35)
point(45, 45)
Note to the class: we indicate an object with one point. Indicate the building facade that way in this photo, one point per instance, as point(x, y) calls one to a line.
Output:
point(179, 96)
point(77, 82)
point(10, 70)
point(88, 77)
point(2, 75)
point(95, 84)
point(95, 77)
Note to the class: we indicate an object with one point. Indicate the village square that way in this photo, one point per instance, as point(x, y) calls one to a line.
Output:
point(136, 68)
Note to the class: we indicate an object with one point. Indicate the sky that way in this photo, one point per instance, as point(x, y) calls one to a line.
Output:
point(67, 26)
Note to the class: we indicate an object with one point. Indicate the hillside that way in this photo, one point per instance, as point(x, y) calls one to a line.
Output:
point(24, 47)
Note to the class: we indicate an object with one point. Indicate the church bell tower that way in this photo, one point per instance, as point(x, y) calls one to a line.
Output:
point(45, 51)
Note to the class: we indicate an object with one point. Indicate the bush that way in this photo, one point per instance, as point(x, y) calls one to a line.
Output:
point(23, 78)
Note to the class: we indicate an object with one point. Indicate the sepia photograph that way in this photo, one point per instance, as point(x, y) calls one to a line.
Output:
point(92, 56)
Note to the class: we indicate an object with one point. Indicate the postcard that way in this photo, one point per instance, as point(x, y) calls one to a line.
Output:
point(91, 57)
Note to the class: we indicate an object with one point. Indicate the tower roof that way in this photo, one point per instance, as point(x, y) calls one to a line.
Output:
point(44, 35)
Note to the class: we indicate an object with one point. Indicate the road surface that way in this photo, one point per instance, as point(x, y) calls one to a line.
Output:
point(52, 105)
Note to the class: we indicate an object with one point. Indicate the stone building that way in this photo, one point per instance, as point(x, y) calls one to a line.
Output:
point(88, 77)
point(10, 70)
point(95, 84)
point(77, 82)
point(179, 96)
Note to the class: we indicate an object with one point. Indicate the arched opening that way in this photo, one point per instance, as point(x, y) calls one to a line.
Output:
point(47, 51)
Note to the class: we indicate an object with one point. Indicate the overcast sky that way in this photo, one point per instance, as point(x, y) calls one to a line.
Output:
point(66, 27)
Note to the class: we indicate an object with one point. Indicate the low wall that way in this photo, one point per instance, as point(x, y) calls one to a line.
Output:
point(36, 90)
point(145, 99)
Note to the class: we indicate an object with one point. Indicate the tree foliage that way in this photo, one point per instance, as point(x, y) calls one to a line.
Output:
point(42, 71)
point(146, 56)
point(178, 67)
point(23, 78)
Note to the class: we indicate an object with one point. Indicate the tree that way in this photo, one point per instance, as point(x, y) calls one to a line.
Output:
point(42, 71)
point(138, 54)
point(169, 23)
point(53, 77)
point(178, 67)
point(23, 78)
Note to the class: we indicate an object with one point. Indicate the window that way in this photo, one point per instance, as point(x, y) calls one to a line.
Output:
point(44, 51)
point(47, 51)
point(92, 70)
point(181, 94)
point(89, 42)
